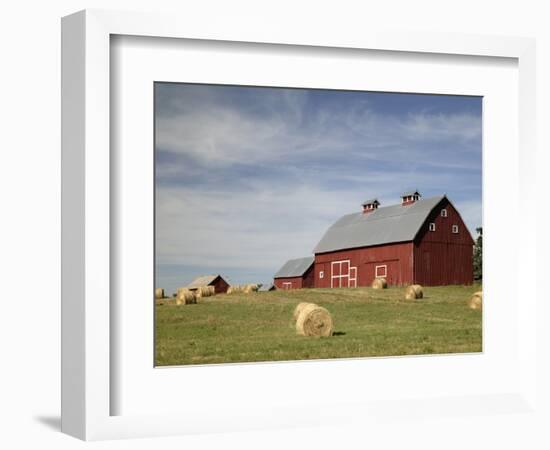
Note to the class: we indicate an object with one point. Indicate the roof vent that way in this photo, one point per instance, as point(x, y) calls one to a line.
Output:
point(370, 205)
point(408, 198)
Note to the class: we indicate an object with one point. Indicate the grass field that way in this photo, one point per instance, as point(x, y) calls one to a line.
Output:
point(259, 326)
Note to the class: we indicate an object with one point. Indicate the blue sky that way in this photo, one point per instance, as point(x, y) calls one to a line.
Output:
point(248, 177)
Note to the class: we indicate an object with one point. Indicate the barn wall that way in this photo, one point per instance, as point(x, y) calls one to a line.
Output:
point(308, 278)
point(296, 282)
point(397, 257)
point(220, 285)
point(442, 257)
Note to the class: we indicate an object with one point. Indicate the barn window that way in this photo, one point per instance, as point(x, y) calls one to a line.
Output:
point(381, 271)
point(443, 213)
point(455, 229)
point(287, 285)
point(321, 274)
point(432, 226)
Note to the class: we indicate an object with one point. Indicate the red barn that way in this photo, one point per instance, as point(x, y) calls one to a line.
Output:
point(422, 241)
point(295, 274)
point(220, 285)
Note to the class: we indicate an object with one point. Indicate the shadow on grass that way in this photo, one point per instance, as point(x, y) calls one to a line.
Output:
point(339, 333)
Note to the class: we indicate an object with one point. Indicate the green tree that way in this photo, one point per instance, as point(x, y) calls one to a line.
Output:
point(478, 255)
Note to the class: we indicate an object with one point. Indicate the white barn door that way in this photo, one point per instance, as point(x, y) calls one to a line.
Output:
point(342, 274)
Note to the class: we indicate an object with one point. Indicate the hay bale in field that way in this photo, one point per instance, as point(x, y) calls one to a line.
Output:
point(248, 288)
point(379, 283)
point(299, 309)
point(159, 293)
point(180, 290)
point(235, 289)
point(476, 300)
point(205, 291)
point(314, 320)
point(186, 298)
point(413, 292)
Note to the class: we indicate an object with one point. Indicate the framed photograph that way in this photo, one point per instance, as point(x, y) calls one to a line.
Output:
point(266, 228)
point(298, 159)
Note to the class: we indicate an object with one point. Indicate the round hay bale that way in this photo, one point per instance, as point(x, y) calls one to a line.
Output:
point(314, 320)
point(299, 309)
point(250, 288)
point(159, 293)
point(413, 292)
point(235, 289)
point(205, 291)
point(379, 283)
point(190, 298)
point(186, 298)
point(476, 300)
point(180, 290)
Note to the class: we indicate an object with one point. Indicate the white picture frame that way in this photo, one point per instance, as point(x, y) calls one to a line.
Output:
point(87, 354)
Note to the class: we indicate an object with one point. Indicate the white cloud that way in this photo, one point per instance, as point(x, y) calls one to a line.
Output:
point(442, 127)
point(216, 230)
point(219, 136)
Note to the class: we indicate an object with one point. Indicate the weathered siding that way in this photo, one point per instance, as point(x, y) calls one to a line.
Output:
point(304, 281)
point(295, 283)
point(220, 285)
point(442, 257)
point(397, 257)
point(308, 278)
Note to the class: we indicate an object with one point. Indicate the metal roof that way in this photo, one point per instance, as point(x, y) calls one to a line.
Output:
point(294, 267)
point(203, 280)
point(266, 287)
point(395, 223)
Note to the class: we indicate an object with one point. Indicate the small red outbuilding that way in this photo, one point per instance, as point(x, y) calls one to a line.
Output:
point(220, 285)
point(295, 274)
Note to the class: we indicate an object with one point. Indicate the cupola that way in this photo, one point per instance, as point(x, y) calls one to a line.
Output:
point(370, 205)
point(410, 197)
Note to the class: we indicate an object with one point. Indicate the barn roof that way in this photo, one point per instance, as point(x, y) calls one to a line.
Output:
point(266, 287)
point(203, 280)
point(385, 225)
point(294, 267)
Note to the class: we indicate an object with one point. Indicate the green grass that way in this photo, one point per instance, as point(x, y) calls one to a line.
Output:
point(368, 322)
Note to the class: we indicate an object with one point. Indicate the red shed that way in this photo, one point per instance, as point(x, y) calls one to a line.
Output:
point(422, 241)
point(295, 274)
point(220, 285)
